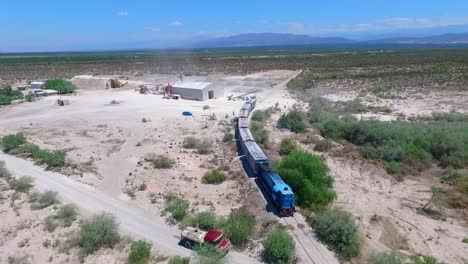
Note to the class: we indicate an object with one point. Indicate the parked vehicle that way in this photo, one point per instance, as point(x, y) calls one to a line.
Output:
point(191, 237)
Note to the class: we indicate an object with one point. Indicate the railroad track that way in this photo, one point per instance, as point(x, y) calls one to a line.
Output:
point(315, 252)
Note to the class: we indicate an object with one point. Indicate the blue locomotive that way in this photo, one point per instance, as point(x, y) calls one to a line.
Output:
point(281, 194)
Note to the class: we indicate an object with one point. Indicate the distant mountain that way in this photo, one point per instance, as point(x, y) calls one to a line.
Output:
point(437, 39)
point(267, 39)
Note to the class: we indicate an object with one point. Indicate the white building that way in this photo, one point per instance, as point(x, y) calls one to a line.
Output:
point(200, 91)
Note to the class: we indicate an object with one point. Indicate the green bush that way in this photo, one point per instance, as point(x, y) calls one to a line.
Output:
point(4, 172)
point(61, 86)
point(11, 142)
point(51, 158)
point(308, 176)
point(205, 220)
point(213, 177)
point(323, 145)
point(67, 214)
point(204, 147)
point(259, 133)
point(139, 252)
point(338, 230)
point(178, 260)
point(386, 258)
point(239, 227)
point(30, 98)
point(162, 162)
point(5, 100)
point(44, 200)
point(294, 121)
point(101, 230)
point(207, 254)
point(261, 115)
point(465, 240)
point(190, 142)
point(22, 184)
point(411, 145)
point(50, 224)
point(287, 146)
point(421, 259)
point(278, 247)
point(7, 95)
point(177, 207)
point(228, 137)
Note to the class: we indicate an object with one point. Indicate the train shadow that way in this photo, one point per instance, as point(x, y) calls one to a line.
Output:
point(270, 205)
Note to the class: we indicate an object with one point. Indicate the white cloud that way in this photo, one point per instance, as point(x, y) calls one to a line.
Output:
point(153, 29)
point(176, 24)
point(372, 26)
point(122, 13)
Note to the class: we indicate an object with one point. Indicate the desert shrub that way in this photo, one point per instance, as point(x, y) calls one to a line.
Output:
point(205, 220)
point(465, 240)
point(308, 176)
point(450, 117)
point(162, 162)
point(411, 145)
point(5, 100)
point(337, 228)
point(259, 133)
point(287, 145)
point(239, 227)
point(50, 224)
point(279, 247)
point(177, 207)
point(51, 158)
point(7, 95)
point(213, 177)
point(385, 258)
point(139, 252)
point(303, 81)
point(101, 230)
point(44, 200)
point(30, 98)
point(4, 172)
point(178, 260)
point(206, 107)
point(207, 254)
point(14, 141)
point(204, 147)
point(422, 259)
point(22, 184)
point(294, 121)
point(228, 137)
point(190, 142)
point(323, 145)
point(67, 214)
point(261, 115)
point(61, 86)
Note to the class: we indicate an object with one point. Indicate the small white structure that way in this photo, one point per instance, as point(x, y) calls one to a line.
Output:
point(37, 85)
point(200, 91)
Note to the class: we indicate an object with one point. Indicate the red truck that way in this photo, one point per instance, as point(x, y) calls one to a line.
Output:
point(191, 237)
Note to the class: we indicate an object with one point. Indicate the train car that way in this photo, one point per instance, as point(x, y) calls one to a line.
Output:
point(243, 122)
point(245, 135)
point(244, 113)
point(253, 103)
point(254, 155)
point(281, 194)
point(247, 106)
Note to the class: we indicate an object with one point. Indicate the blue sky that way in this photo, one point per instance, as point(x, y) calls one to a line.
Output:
point(49, 25)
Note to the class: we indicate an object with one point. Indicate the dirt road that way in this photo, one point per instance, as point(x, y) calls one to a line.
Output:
point(132, 218)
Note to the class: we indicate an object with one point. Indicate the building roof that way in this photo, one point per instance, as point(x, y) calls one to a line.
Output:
point(192, 85)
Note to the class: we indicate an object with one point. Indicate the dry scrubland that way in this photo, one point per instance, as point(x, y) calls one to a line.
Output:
point(139, 151)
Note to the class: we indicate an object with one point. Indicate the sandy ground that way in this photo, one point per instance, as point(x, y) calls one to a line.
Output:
point(108, 144)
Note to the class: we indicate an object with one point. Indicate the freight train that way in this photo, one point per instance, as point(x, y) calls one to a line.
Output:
point(280, 193)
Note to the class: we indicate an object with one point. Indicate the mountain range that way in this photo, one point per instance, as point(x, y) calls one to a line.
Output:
point(281, 39)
